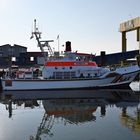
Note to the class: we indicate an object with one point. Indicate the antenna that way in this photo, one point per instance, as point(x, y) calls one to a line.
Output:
point(35, 25)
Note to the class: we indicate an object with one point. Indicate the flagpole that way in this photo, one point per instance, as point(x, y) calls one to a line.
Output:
point(138, 57)
point(58, 42)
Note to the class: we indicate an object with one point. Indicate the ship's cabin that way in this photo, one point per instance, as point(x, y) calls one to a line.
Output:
point(74, 56)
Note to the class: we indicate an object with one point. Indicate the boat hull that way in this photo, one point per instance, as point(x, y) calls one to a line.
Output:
point(121, 82)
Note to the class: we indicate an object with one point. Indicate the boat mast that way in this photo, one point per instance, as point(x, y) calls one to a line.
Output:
point(41, 44)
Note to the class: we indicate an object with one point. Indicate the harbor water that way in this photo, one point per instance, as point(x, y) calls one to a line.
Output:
point(71, 115)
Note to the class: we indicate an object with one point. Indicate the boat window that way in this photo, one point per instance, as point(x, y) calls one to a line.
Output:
point(56, 68)
point(77, 58)
point(63, 67)
point(88, 74)
point(28, 72)
point(70, 67)
point(64, 75)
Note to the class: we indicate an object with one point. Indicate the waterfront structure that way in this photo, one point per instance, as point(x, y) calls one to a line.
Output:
point(127, 26)
point(9, 54)
point(8, 50)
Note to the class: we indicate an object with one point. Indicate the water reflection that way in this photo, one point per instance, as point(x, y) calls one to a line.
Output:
point(131, 121)
point(81, 108)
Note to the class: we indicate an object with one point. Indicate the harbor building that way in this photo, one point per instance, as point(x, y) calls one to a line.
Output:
point(9, 53)
point(8, 50)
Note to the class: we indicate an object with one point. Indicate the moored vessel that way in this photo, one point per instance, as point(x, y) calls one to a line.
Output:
point(72, 71)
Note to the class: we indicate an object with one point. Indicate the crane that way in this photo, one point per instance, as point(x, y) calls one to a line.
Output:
point(42, 44)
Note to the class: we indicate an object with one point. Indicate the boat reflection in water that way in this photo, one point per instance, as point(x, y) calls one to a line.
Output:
point(81, 108)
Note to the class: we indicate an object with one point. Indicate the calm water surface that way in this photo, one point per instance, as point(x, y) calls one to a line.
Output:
point(87, 115)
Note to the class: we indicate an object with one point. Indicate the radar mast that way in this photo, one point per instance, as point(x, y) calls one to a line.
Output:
point(42, 44)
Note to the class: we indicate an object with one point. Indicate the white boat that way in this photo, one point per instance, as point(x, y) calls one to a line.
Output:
point(72, 71)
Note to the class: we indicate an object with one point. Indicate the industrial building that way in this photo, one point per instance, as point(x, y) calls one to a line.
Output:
point(18, 55)
point(12, 51)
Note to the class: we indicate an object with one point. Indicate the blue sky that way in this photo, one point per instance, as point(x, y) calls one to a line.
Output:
point(91, 25)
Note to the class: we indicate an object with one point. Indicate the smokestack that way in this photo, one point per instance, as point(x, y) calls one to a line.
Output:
point(68, 46)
